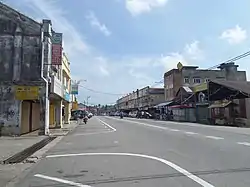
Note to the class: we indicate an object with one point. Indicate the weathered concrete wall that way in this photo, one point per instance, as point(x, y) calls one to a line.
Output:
point(20, 63)
point(20, 50)
point(9, 111)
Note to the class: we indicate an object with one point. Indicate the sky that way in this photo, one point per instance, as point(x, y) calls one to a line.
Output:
point(118, 46)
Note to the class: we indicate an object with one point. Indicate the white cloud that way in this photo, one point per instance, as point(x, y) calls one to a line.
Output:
point(136, 7)
point(120, 75)
point(93, 20)
point(103, 66)
point(170, 61)
point(234, 35)
point(194, 51)
point(71, 36)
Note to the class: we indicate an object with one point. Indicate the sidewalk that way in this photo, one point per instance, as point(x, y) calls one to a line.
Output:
point(10, 146)
point(66, 128)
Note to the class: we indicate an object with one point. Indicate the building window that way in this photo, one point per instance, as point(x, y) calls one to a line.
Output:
point(197, 80)
point(207, 79)
point(186, 80)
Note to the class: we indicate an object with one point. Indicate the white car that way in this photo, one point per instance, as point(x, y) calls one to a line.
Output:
point(90, 115)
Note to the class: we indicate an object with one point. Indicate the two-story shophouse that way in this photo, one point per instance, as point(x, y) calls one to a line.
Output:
point(60, 94)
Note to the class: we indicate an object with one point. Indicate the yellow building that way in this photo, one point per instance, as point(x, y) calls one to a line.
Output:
point(60, 95)
point(66, 76)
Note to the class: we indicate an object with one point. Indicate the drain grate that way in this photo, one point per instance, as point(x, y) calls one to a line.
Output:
point(21, 156)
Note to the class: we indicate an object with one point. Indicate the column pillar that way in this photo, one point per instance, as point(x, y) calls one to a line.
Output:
point(67, 113)
point(44, 111)
point(59, 114)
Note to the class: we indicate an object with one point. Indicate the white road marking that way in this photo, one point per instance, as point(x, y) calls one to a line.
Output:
point(107, 126)
point(170, 164)
point(190, 133)
point(214, 137)
point(174, 130)
point(61, 180)
point(145, 124)
point(244, 143)
point(104, 123)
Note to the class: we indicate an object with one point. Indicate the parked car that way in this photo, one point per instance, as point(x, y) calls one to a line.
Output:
point(144, 114)
point(132, 114)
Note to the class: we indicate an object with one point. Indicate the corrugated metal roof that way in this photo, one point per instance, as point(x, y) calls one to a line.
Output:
point(187, 89)
point(163, 104)
point(221, 105)
point(243, 86)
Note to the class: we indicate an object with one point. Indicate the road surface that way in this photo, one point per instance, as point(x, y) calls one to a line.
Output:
point(111, 152)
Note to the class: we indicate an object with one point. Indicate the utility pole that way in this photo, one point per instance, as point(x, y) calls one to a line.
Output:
point(44, 100)
point(88, 97)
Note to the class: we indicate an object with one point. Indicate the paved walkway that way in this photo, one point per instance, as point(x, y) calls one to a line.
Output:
point(10, 146)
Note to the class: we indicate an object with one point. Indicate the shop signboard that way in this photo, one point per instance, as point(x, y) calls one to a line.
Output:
point(56, 49)
point(74, 89)
point(200, 87)
point(27, 92)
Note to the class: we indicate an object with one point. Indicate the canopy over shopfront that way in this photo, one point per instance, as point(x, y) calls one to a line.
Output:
point(161, 105)
point(222, 104)
point(222, 89)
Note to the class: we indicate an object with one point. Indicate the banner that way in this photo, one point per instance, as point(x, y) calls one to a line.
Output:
point(74, 89)
point(56, 54)
point(56, 49)
point(200, 87)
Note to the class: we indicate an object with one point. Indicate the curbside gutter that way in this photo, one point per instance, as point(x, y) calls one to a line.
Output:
point(31, 161)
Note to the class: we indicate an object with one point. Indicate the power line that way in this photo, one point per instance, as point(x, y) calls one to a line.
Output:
point(232, 59)
point(95, 91)
point(161, 81)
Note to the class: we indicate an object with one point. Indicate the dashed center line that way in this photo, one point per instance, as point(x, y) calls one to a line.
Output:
point(244, 143)
point(174, 130)
point(191, 133)
point(214, 137)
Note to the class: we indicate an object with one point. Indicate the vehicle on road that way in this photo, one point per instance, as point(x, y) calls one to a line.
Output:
point(85, 119)
point(90, 115)
point(121, 115)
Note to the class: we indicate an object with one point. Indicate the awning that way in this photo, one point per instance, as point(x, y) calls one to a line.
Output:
point(163, 104)
point(221, 105)
point(181, 106)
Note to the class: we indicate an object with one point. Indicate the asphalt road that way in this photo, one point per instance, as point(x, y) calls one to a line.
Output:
point(111, 152)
